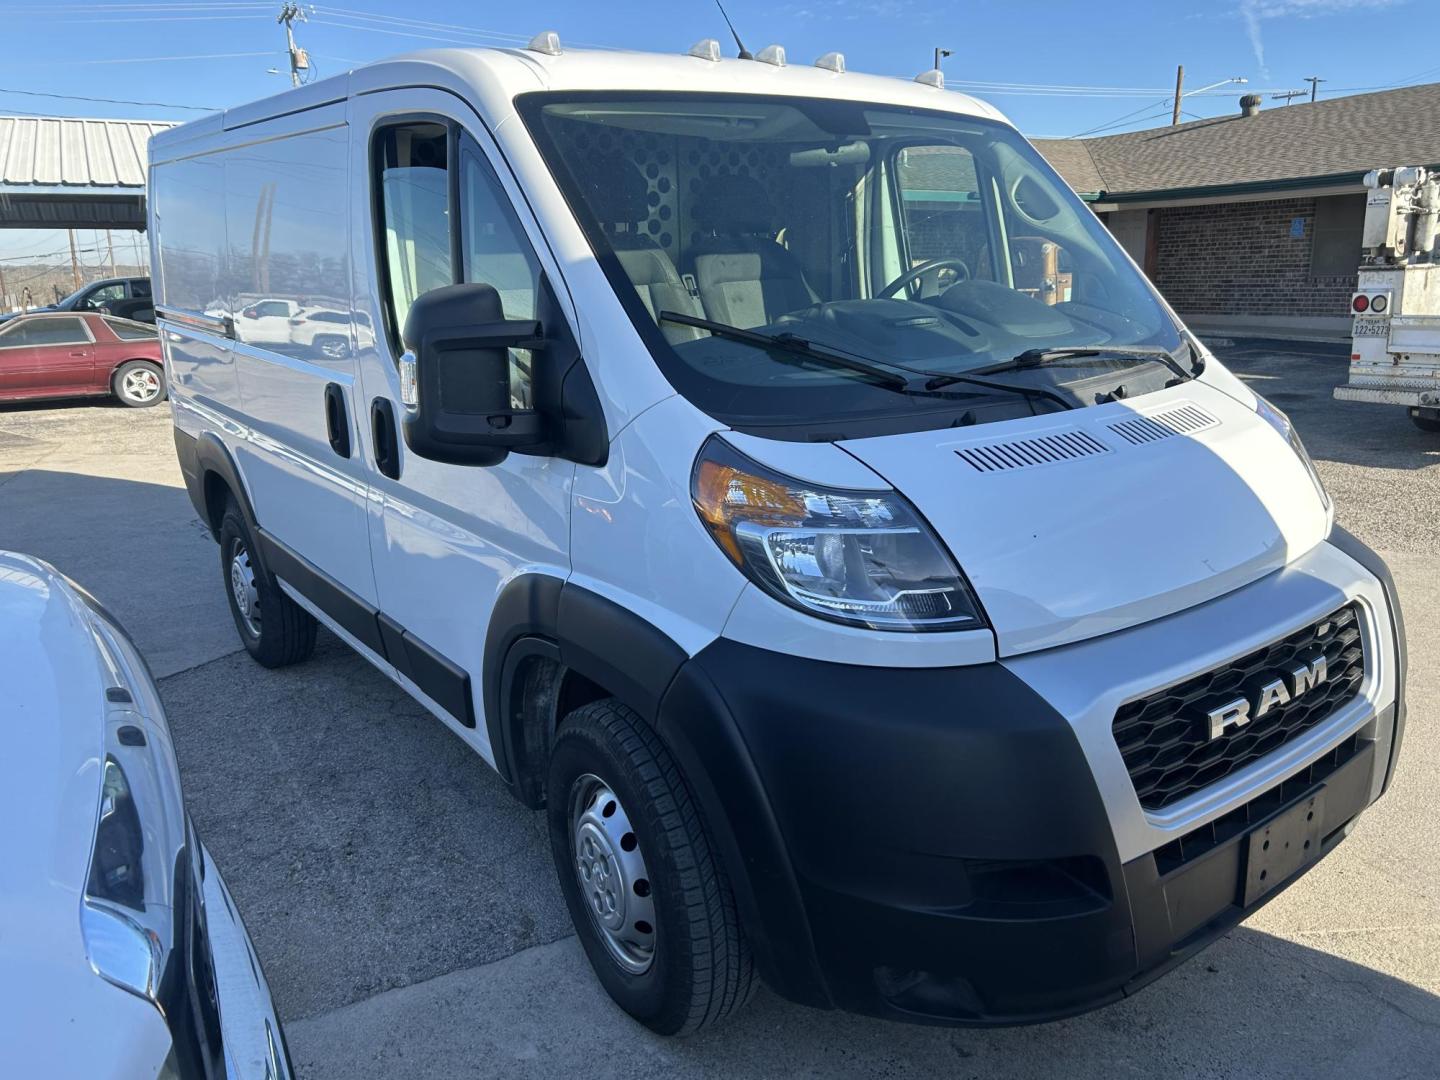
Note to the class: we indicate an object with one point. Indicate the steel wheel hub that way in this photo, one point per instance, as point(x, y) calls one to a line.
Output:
point(140, 385)
point(610, 870)
point(242, 588)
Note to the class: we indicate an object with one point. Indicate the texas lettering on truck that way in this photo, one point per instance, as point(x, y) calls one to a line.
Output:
point(780, 477)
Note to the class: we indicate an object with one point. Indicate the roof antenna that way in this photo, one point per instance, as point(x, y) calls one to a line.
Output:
point(745, 53)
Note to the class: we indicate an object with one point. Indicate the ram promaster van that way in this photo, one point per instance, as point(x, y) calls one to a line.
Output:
point(780, 476)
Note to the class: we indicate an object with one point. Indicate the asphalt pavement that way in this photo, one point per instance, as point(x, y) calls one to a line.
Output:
point(405, 906)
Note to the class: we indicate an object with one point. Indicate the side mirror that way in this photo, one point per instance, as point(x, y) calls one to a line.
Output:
point(455, 378)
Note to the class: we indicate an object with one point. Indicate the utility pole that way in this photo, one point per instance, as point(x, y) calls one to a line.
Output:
point(941, 54)
point(1314, 81)
point(1179, 93)
point(110, 247)
point(299, 58)
point(74, 260)
point(1287, 96)
point(4, 296)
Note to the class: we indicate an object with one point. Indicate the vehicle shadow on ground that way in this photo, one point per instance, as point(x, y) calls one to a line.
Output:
point(1253, 1007)
point(105, 401)
point(367, 846)
point(138, 547)
point(1301, 379)
point(370, 850)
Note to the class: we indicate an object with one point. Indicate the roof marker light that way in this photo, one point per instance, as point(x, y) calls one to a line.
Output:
point(934, 77)
point(547, 42)
point(772, 54)
point(706, 49)
point(832, 61)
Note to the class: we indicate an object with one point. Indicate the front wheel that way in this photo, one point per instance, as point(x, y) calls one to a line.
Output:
point(139, 384)
point(1427, 420)
point(645, 889)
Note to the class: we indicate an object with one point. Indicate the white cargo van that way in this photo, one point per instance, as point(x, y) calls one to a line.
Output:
point(780, 476)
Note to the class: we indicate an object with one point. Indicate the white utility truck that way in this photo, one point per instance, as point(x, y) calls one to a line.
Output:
point(1395, 351)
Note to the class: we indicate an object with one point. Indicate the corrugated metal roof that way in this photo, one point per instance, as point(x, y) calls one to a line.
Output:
point(46, 151)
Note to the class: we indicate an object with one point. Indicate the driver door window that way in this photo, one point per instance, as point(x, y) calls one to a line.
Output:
point(422, 236)
point(100, 297)
point(942, 216)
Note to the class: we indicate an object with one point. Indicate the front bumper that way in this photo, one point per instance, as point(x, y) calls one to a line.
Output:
point(963, 845)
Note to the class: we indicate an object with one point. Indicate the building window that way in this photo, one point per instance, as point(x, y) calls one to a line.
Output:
point(1335, 247)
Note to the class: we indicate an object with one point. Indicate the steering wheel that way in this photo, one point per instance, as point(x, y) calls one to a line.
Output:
point(915, 273)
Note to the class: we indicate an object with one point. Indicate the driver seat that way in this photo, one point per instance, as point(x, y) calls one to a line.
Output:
point(743, 276)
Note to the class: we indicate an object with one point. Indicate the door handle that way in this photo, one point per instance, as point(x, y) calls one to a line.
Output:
point(79, 352)
point(385, 437)
point(337, 424)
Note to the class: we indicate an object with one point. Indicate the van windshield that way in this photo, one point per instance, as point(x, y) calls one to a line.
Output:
point(926, 243)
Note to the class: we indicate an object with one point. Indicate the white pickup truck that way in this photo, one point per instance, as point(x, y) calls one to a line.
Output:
point(1395, 350)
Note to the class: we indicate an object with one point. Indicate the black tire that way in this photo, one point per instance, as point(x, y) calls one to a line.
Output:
point(701, 969)
point(276, 631)
point(131, 376)
point(1427, 420)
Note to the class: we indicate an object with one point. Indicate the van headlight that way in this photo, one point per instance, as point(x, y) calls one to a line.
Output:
point(1281, 423)
point(864, 558)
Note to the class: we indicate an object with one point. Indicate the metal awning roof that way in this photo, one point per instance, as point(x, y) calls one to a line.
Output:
point(65, 172)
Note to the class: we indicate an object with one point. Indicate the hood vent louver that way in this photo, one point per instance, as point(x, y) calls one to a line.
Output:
point(1025, 453)
point(1183, 419)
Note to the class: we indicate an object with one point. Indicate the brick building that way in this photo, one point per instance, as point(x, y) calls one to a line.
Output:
point(1251, 223)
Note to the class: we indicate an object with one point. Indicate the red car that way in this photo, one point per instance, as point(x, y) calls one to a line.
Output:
point(52, 355)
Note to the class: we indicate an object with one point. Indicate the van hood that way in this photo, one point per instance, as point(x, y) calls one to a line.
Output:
point(1077, 524)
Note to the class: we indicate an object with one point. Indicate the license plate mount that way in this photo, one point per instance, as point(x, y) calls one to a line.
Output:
point(1283, 846)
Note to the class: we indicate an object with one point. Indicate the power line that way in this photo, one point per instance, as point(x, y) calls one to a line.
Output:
point(53, 9)
point(108, 101)
point(1122, 120)
point(399, 25)
point(149, 59)
point(449, 39)
point(424, 24)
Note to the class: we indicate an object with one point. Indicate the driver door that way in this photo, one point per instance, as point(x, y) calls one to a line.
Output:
point(441, 208)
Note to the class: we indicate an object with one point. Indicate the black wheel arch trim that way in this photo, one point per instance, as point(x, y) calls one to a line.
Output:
point(697, 725)
point(1351, 545)
point(538, 614)
point(543, 616)
point(204, 454)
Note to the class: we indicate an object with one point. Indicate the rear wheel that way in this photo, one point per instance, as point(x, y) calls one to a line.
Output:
point(276, 631)
point(139, 384)
point(646, 891)
point(1426, 420)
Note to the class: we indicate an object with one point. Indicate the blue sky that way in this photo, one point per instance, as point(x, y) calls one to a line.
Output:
point(147, 50)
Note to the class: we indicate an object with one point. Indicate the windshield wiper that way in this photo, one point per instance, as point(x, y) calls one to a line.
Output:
point(898, 379)
point(795, 346)
point(1031, 358)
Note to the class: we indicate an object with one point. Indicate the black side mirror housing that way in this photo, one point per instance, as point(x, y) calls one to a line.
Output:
point(455, 378)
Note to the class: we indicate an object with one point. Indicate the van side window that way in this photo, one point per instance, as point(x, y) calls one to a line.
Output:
point(413, 179)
